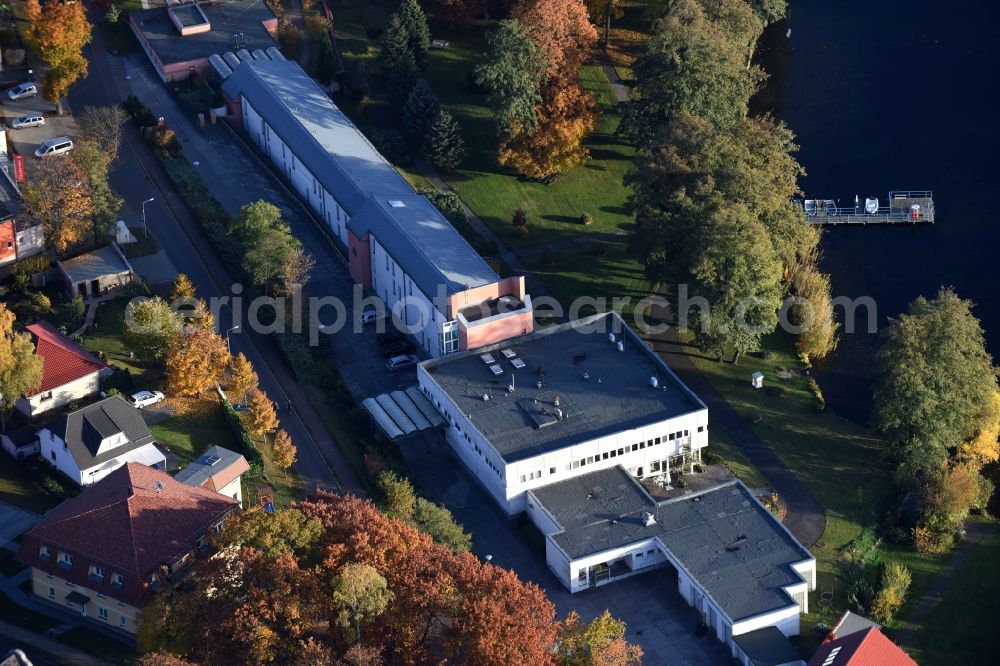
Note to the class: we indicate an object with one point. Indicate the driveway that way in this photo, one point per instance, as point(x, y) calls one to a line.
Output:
point(657, 618)
point(26, 141)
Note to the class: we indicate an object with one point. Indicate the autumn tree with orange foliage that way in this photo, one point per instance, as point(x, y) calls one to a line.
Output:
point(57, 31)
point(196, 358)
point(441, 605)
point(283, 451)
point(58, 197)
point(566, 113)
point(263, 419)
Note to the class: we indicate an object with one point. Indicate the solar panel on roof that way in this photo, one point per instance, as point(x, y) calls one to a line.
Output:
point(509, 353)
point(487, 359)
point(212, 460)
point(497, 370)
point(517, 363)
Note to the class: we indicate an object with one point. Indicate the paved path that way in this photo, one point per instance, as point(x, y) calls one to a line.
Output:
point(92, 306)
point(138, 175)
point(617, 87)
point(156, 268)
point(975, 533)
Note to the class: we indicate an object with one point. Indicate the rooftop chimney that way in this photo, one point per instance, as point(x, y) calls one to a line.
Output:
point(650, 519)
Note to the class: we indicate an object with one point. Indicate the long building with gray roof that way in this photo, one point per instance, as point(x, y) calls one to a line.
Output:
point(398, 244)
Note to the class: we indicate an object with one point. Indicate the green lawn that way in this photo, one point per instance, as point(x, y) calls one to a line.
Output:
point(106, 339)
point(959, 628)
point(196, 427)
point(17, 487)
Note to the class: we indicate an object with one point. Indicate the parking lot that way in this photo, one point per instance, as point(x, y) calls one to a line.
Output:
point(26, 141)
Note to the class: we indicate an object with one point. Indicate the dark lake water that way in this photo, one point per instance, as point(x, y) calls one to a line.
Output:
point(897, 94)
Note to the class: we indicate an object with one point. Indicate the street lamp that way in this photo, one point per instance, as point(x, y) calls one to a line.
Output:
point(144, 232)
point(234, 328)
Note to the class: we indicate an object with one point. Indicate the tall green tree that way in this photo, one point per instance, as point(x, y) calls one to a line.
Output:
point(512, 73)
point(419, 32)
point(326, 61)
point(400, 498)
point(94, 163)
point(150, 324)
point(693, 64)
point(254, 218)
point(443, 144)
point(421, 109)
point(402, 78)
point(361, 594)
point(20, 368)
point(601, 642)
point(267, 258)
point(935, 384)
point(286, 531)
point(440, 524)
point(395, 42)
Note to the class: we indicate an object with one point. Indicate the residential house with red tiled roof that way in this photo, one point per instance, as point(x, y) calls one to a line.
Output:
point(105, 553)
point(868, 647)
point(69, 372)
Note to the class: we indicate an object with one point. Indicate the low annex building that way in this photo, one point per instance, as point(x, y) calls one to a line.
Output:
point(92, 442)
point(561, 402)
point(98, 272)
point(733, 561)
point(217, 469)
point(106, 552)
point(397, 243)
point(69, 372)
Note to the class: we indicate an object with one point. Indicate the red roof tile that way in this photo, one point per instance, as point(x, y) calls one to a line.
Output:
point(863, 648)
point(130, 522)
point(64, 361)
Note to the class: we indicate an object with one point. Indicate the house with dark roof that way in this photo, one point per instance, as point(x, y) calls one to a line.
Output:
point(731, 558)
point(765, 647)
point(69, 372)
point(398, 244)
point(850, 623)
point(92, 442)
point(564, 401)
point(21, 442)
point(106, 552)
point(867, 647)
point(217, 469)
point(98, 272)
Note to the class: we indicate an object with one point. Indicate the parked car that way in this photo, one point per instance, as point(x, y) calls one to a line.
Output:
point(369, 314)
point(146, 398)
point(33, 120)
point(402, 362)
point(22, 91)
point(57, 146)
point(395, 347)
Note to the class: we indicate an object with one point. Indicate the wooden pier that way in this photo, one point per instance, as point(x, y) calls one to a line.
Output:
point(905, 207)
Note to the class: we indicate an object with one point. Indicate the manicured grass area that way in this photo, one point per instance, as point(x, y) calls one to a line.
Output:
point(737, 461)
point(195, 426)
point(145, 244)
point(960, 628)
point(106, 338)
point(22, 617)
point(19, 488)
point(99, 645)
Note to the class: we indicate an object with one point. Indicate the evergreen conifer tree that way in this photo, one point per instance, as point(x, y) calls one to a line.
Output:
point(444, 146)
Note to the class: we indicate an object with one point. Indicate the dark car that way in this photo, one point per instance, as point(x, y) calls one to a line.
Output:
point(402, 362)
point(396, 347)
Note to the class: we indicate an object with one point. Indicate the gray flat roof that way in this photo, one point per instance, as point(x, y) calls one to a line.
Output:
point(378, 200)
point(767, 647)
point(208, 464)
point(92, 265)
point(227, 19)
point(735, 548)
point(601, 390)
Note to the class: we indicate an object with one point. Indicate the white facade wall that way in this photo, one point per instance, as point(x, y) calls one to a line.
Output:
point(322, 202)
point(55, 452)
point(233, 489)
point(392, 285)
point(60, 396)
point(30, 241)
point(785, 619)
point(8, 446)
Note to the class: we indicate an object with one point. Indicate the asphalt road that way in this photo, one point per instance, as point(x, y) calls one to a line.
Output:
point(134, 177)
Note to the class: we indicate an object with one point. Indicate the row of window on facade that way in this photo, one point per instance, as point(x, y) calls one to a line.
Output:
point(102, 612)
point(95, 572)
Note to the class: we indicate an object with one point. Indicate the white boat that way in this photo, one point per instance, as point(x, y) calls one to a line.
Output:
point(810, 207)
point(871, 206)
point(831, 207)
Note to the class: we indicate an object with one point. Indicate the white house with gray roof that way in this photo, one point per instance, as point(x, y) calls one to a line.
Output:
point(398, 244)
point(561, 402)
point(90, 443)
point(733, 561)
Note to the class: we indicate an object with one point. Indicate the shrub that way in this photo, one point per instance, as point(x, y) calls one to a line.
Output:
point(929, 540)
point(140, 113)
point(519, 219)
point(892, 593)
point(26, 268)
point(316, 26)
point(289, 40)
point(819, 402)
point(247, 445)
point(448, 203)
point(710, 457)
point(984, 494)
point(860, 595)
point(164, 141)
point(586, 219)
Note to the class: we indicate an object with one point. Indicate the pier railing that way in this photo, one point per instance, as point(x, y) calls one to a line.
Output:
point(905, 207)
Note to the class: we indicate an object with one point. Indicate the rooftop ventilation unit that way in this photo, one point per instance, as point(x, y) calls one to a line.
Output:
point(396, 203)
point(654, 382)
point(611, 338)
point(649, 519)
point(211, 461)
point(621, 346)
point(158, 486)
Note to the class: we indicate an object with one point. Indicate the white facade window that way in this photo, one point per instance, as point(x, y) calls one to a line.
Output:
point(449, 337)
point(52, 593)
point(65, 560)
point(102, 613)
point(122, 620)
point(44, 553)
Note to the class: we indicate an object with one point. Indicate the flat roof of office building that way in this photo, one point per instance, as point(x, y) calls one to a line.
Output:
point(600, 389)
point(735, 549)
point(234, 17)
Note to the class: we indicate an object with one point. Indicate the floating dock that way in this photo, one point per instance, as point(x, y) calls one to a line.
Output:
point(905, 207)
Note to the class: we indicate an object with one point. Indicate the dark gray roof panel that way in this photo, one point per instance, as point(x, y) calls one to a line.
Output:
point(210, 463)
point(767, 647)
point(96, 264)
point(416, 234)
point(601, 390)
point(83, 430)
point(735, 548)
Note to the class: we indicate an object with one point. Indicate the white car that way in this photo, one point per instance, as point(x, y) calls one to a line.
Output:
point(146, 398)
point(34, 120)
point(22, 91)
